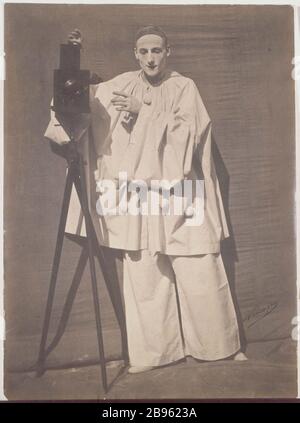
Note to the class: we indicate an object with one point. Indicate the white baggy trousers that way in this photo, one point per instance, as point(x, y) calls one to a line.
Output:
point(160, 330)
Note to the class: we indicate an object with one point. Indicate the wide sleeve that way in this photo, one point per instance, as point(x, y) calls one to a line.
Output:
point(179, 140)
point(214, 203)
point(172, 136)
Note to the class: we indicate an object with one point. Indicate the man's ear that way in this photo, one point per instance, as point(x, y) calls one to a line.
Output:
point(168, 51)
point(135, 53)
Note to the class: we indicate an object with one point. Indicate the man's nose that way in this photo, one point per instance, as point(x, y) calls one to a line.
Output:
point(150, 58)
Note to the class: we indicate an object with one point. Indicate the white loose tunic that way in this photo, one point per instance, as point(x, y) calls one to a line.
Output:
point(171, 140)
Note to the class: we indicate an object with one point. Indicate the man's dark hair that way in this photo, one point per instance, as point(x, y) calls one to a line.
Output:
point(151, 29)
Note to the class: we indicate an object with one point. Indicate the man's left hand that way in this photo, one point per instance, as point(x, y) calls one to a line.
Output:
point(126, 103)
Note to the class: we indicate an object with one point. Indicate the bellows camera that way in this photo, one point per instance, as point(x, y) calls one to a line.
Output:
point(71, 84)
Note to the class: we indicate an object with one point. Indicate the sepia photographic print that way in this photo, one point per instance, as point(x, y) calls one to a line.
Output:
point(149, 202)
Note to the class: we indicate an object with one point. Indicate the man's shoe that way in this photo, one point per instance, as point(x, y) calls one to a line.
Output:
point(139, 369)
point(239, 356)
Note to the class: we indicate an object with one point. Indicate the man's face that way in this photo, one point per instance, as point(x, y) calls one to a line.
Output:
point(152, 53)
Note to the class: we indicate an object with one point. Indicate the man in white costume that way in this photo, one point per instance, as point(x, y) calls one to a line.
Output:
point(151, 125)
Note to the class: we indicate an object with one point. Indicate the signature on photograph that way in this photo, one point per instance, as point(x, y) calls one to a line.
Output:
point(259, 314)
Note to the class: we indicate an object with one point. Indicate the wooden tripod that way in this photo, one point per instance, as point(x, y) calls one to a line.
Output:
point(76, 177)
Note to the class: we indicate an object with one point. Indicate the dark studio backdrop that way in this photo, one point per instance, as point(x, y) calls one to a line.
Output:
point(240, 58)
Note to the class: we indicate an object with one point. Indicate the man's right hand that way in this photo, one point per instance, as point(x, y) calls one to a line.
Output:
point(75, 37)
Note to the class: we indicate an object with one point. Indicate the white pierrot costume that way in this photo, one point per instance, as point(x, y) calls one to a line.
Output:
point(170, 140)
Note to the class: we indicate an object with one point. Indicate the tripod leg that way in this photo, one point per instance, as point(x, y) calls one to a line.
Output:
point(112, 285)
point(69, 300)
point(57, 255)
point(82, 194)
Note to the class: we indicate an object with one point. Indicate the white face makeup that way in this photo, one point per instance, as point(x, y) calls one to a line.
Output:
point(152, 53)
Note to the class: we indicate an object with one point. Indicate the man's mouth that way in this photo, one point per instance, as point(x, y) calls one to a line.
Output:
point(152, 67)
